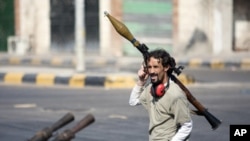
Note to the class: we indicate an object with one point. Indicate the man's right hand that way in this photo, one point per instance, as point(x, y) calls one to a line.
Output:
point(143, 76)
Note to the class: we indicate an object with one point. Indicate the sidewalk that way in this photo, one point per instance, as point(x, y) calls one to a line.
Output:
point(99, 71)
point(240, 60)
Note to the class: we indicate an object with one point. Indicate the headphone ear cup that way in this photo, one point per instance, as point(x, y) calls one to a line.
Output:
point(160, 90)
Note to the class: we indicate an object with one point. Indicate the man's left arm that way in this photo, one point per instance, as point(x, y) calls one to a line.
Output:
point(183, 119)
point(183, 132)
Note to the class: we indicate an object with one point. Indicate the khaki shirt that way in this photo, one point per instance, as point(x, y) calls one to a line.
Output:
point(167, 113)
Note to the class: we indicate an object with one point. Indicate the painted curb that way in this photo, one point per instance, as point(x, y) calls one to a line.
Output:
point(78, 80)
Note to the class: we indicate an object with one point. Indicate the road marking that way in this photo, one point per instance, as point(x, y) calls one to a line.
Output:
point(26, 105)
point(117, 116)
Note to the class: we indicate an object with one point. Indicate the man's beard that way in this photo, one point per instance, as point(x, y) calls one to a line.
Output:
point(155, 79)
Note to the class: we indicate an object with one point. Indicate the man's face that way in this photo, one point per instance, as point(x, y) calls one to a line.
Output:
point(156, 71)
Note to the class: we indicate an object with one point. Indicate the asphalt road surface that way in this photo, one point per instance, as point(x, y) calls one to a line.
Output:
point(27, 109)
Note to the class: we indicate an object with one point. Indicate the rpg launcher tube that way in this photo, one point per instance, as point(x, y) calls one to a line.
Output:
point(69, 134)
point(47, 132)
point(124, 32)
point(122, 29)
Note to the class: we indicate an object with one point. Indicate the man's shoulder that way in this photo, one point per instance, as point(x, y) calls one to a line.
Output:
point(176, 91)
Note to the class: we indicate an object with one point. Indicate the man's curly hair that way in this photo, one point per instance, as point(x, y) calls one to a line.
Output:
point(165, 59)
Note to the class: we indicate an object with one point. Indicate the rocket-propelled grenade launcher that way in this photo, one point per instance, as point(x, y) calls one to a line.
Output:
point(124, 31)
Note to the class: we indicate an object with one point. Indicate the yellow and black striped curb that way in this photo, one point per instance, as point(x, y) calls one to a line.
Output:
point(78, 80)
point(216, 63)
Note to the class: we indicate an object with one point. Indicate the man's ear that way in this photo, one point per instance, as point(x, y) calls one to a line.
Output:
point(166, 68)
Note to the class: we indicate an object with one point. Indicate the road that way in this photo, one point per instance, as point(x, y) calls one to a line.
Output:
point(26, 109)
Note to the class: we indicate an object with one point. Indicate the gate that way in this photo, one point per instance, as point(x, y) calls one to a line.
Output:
point(150, 21)
point(6, 22)
point(241, 25)
point(63, 26)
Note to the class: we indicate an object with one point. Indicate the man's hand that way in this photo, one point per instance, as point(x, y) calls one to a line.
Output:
point(143, 76)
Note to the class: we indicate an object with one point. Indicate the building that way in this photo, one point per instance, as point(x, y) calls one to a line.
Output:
point(193, 27)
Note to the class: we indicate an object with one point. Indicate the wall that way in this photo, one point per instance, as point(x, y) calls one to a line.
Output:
point(194, 27)
point(34, 24)
point(204, 27)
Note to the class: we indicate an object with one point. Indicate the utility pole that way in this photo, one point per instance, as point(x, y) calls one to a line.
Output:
point(80, 35)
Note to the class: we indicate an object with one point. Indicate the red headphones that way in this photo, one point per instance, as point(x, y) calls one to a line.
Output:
point(159, 90)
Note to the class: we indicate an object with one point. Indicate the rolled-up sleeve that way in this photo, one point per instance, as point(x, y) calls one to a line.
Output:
point(135, 95)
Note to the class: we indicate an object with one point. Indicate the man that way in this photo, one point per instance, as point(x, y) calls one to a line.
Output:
point(166, 103)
